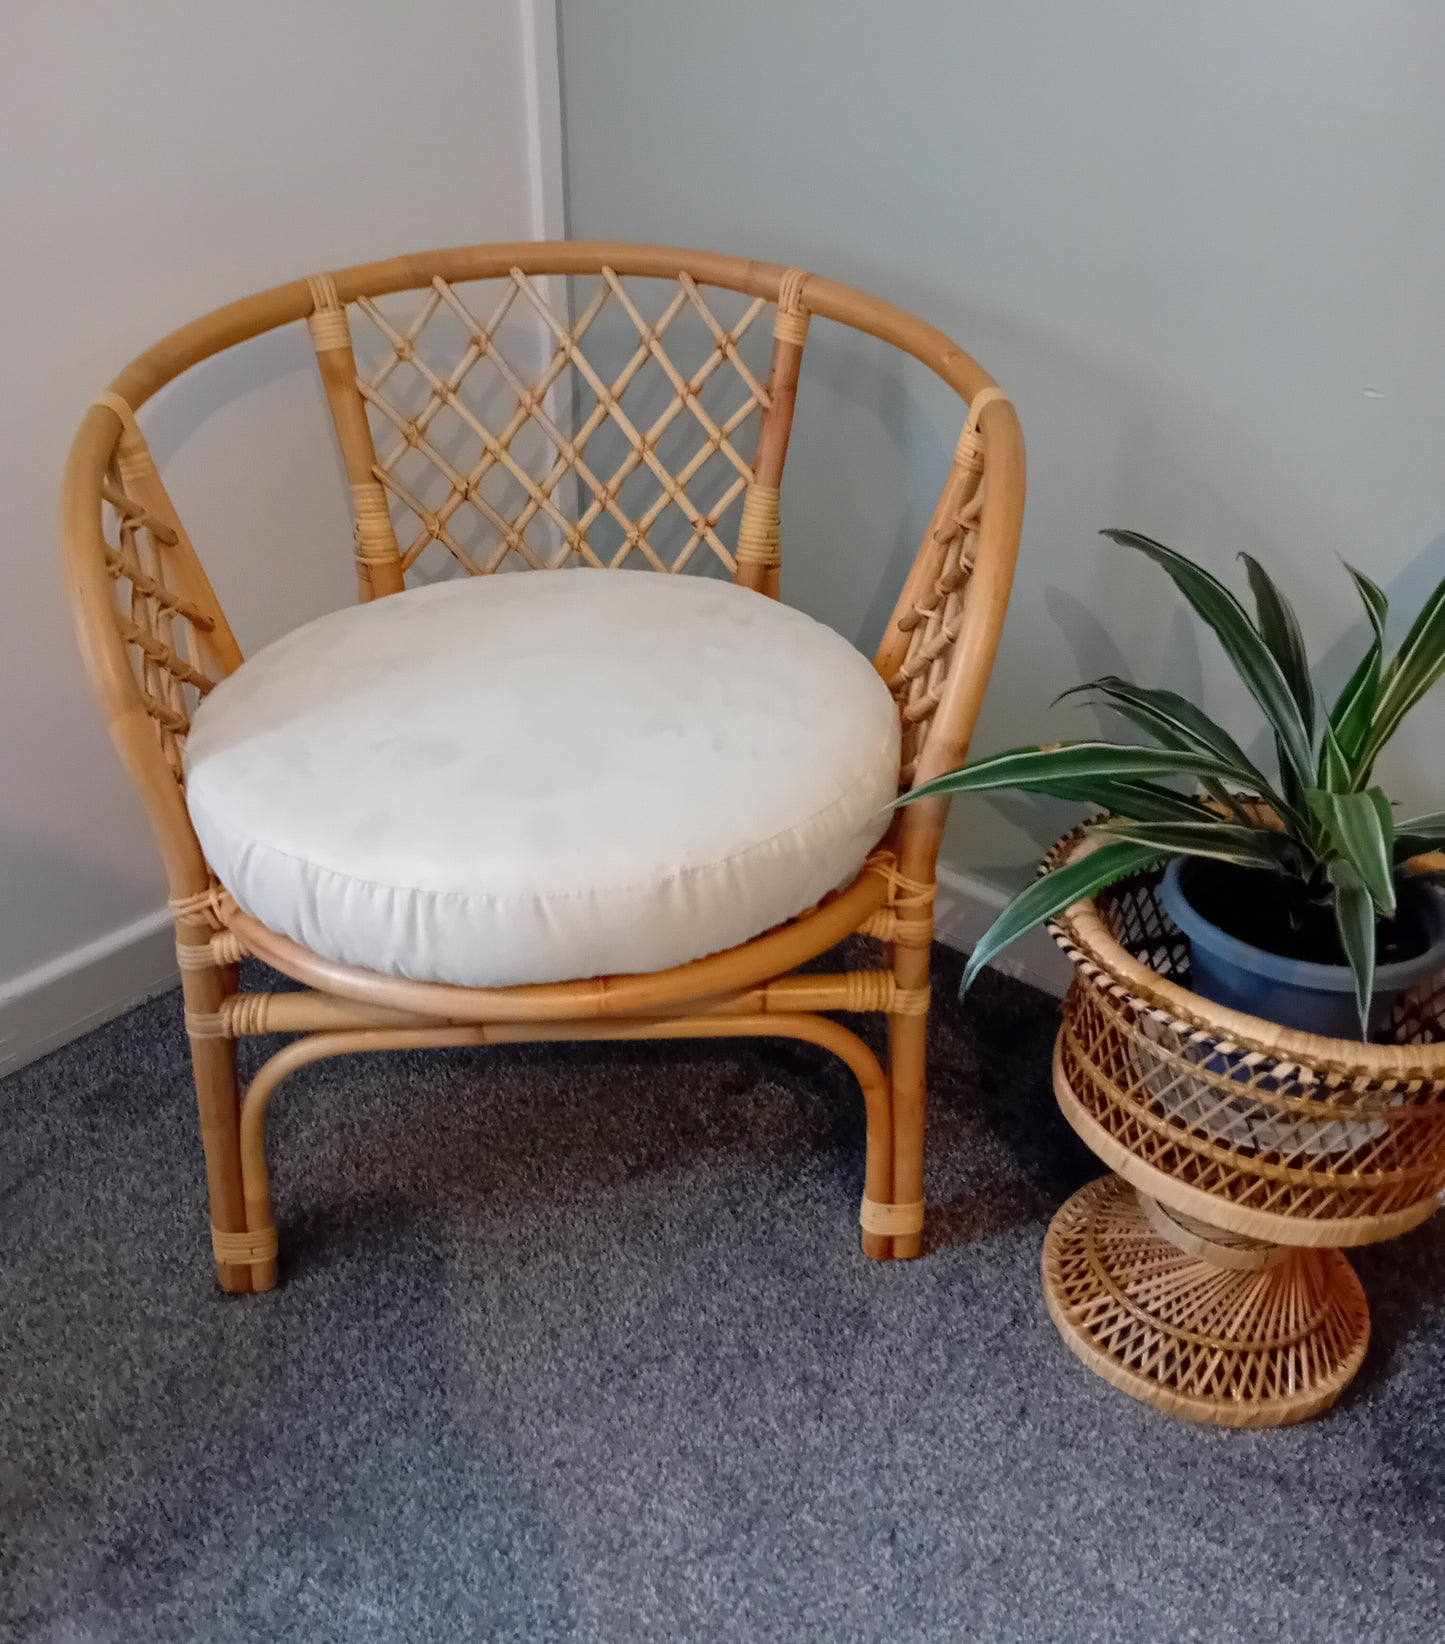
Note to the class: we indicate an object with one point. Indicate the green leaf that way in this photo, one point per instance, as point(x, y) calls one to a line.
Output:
point(1336, 772)
point(1360, 829)
point(1432, 823)
point(1354, 709)
point(1177, 723)
point(1417, 665)
point(1355, 923)
point(1040, 901)
point(1174, 719)
point(1418, 834)
point(1041, 769)
point(1224, 841)
point(1372, 597)
point(1279, 628)
point(1146, 801)
point(1252, 658)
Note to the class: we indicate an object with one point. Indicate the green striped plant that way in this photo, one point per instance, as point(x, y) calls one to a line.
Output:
point(1189, 793)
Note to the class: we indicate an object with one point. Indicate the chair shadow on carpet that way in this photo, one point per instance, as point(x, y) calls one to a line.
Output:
point(397, 1136)
point(476, 1123)
point(972, 1218)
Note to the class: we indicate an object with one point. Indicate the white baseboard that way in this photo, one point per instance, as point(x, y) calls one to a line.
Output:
point(44, 1008)
point(968, 905)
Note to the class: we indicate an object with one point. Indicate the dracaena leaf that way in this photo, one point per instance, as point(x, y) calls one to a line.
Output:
point(1355, 922)
point(1279, 629)
point(1252, 658)
point(1223, 841)
point(1372, 597)
point(1358, 827)
point(1177, 723)
point(1354, 709)
point(1175, 720)
point(1419, 834)
point(1336, 772)
point(1041, 769)
point(1147, 801)
point(1416, 666)
point(1053, 892)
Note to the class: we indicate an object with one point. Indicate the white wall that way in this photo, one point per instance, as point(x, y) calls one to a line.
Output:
point(160, 158)
point(1201, 245)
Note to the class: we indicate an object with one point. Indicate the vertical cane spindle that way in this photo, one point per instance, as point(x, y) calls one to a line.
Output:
point(759, 555)
point(378, 559)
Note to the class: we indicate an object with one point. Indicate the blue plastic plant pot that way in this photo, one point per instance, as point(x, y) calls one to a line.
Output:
point(1296, 993)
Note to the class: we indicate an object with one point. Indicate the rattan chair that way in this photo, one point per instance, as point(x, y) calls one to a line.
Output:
point(454, 450)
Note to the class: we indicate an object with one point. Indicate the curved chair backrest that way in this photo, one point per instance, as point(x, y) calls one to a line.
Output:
point(564, 423)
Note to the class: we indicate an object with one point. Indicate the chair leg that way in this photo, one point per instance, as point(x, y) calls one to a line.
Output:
point(213, 1062)
point(907, 1057)
point(256, 1186)
point(907, 1048)
point(878, 1171)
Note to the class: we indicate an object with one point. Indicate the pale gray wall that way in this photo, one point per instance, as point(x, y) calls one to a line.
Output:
point(1202, 246)
point(158, 159)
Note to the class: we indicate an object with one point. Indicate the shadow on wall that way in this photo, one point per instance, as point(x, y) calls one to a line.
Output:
point(868, 458)
point(181, 410)
point(1108, 447)
point(251, 426)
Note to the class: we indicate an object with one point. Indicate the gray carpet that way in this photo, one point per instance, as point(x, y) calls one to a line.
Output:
point(576, 1343)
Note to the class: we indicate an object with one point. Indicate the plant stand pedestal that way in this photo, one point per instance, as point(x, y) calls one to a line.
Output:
point(1196, 1321)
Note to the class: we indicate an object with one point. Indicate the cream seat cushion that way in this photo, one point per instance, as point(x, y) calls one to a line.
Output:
point(542, 776)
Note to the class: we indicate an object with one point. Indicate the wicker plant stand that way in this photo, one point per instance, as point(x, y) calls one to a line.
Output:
point(1205, 1276)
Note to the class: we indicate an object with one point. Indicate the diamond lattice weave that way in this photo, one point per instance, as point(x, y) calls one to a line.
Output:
point(516, 436)
point(1270, 1138)
point(1237, 1346)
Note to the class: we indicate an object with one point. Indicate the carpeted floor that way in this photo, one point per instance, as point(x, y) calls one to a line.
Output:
point(576, 1343)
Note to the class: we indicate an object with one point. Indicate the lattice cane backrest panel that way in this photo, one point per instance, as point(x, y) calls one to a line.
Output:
point(509, 435)
point(161, 628)
point(933, 617)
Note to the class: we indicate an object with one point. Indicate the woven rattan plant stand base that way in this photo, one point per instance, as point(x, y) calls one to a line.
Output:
point(1195, 1322)
point(1205, 1275)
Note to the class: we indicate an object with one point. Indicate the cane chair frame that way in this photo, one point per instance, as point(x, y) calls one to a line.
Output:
point(151, 656)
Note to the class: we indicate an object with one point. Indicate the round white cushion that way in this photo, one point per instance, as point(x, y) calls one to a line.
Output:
point(542, 776)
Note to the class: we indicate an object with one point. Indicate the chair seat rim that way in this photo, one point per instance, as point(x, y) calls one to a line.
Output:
point(763, 957)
